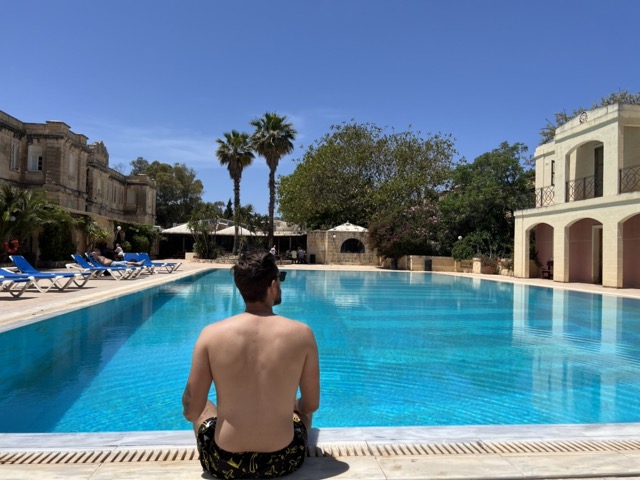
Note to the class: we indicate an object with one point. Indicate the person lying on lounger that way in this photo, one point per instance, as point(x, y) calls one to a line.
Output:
point(107, 262)
point(257, 360)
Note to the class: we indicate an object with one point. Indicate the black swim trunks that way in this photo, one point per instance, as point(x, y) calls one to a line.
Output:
point(222, 464)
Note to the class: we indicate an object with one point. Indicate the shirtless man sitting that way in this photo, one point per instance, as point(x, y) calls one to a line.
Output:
point(256, 360)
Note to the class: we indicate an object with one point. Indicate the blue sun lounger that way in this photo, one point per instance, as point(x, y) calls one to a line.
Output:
point(130, 271)
point(14, 283)
point(144, 257)
point(57, 280)
point(135, 257)
point(117, 273)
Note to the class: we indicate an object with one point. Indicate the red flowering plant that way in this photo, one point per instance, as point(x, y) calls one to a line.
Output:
point(409, 231)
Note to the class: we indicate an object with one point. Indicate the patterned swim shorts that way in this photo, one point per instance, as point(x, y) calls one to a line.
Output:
point(222, 464)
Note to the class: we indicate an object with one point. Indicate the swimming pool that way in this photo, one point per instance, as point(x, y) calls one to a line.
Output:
point(397, 348)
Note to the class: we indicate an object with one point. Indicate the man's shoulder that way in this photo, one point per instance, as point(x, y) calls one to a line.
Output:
point(237, 321)
point(296, 326)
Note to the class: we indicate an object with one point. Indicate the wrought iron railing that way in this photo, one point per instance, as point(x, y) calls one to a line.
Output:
point(545, 196)
point(629, 180)
point(581, 188)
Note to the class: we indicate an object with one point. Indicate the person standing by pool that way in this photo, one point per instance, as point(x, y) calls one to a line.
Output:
point(256, 360)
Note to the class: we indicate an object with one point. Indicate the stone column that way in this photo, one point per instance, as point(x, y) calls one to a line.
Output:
point(560, 253)
point(521, 250)
point(612, 254)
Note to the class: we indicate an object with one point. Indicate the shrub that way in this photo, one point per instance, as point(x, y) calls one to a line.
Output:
point(207, 250)
point(140, 243)
point(55, 237)
point(55, 243)
point(462, 250)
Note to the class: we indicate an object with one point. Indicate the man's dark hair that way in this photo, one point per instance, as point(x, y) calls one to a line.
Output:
point(253, 273)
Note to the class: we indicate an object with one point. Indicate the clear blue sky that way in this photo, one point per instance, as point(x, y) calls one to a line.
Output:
point(163, 79)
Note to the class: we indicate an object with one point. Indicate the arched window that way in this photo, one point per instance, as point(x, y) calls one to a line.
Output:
point(352, 245)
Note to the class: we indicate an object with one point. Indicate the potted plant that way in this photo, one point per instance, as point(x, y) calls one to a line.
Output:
point(488, 265)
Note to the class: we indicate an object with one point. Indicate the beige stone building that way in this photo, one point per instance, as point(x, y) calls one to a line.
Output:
point(586, 223)
point(346, 244)
point(74, 174)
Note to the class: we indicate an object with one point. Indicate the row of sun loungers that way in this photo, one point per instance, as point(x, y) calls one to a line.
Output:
point(17, 280)
point(45, 281)
point(96, 269)
point(25, 275)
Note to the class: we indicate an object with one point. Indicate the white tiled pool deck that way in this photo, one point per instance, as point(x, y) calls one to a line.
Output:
point(470, 452)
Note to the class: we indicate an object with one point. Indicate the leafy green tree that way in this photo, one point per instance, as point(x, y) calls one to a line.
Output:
point(548, 132)
point(138, 166)
point(203, 225)
point(217, 207)
point(228, 211)
point(212, 211)
point(476, 244)
point(94, 234)
point(272, 139)
point(140, 243)
point(359, 173)
point(406, 231)
point(466, 247)
point(204, 235)
point(255, 222)
point(179, 192)
point(236, 153)
point(483, 198)
point(139, 236)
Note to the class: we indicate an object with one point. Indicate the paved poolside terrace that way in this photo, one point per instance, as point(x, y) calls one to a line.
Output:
point(468, 452)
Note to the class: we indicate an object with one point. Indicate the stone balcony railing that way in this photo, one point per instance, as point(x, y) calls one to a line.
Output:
point(581, 189)
point(545, 196)
point(629, 180)
point(586, 187)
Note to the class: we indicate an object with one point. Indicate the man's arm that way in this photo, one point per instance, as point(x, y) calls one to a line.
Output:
point(198, 385)
point(309, 400)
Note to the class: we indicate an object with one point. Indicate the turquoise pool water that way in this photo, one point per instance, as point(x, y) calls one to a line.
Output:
point(397, 349)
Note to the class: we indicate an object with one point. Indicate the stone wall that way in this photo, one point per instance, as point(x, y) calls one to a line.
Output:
point(325, 247)
point(427, 263)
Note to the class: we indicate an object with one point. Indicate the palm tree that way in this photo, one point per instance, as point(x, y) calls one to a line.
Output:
point(22, 213)
point(236, 153)
point(272, 139)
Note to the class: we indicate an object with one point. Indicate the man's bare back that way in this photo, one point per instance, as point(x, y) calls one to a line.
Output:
point(257, 361)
